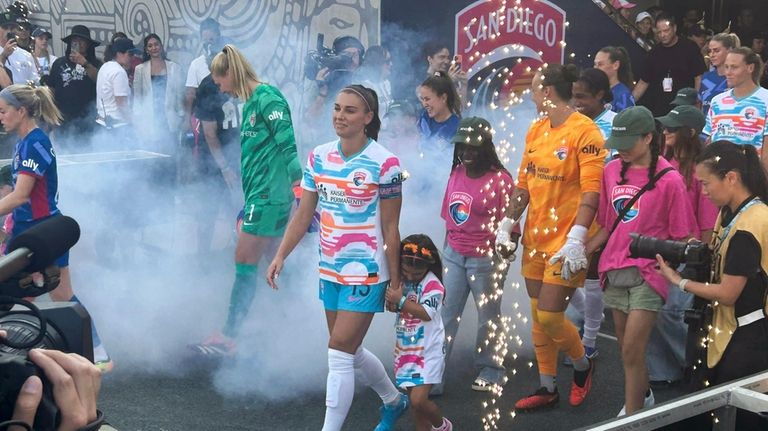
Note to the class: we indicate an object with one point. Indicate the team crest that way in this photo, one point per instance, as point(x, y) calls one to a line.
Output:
point(358, 178)
point(561, 153)
point(252, 119)
point(459, 207)
point(749, 113)
point(620, 195)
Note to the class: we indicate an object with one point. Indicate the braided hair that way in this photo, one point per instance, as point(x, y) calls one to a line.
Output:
point(655, 147)
point(419, 251)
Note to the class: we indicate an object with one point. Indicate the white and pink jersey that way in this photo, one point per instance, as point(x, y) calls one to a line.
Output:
point(742, 121)
point(420, 345)
point(349, 190)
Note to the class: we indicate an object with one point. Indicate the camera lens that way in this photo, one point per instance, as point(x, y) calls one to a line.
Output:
point(647, 247)
point(23, 328)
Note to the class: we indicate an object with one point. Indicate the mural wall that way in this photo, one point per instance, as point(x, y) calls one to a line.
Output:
point(276, 34)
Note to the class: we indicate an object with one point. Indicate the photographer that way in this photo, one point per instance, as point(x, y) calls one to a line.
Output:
point(76, 384)
point(330, 81)
point(733, 178)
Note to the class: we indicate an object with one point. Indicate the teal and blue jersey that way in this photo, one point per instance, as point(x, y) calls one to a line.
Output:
point(622, 97)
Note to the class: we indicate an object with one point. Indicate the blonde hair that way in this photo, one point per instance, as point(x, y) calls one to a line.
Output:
point(38, 101)
point(232, 60)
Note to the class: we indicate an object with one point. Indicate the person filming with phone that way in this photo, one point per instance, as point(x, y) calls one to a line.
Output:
point(20, 62)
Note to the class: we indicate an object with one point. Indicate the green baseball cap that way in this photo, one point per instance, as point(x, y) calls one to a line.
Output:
point(684, 116)
point(628, 126)
point(473, 131)
point(685, 96)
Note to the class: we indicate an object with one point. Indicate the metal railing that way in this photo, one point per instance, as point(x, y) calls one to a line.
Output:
point(747, 394)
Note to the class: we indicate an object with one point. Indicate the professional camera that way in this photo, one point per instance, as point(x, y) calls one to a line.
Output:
point(27, 271)
point(697, 258)
point(695, 255)
point(322, 57)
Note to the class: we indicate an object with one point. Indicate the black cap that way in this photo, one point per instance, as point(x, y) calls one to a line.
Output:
point(343, 42)
point(124, 45)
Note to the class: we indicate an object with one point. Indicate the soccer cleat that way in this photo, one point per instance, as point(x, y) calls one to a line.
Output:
point(482, 385)
point(579, 393)
point(105, 365)
point(390, 414)
point(591, 352)
point(215, 346)
point(649, 401)
point(541, 399)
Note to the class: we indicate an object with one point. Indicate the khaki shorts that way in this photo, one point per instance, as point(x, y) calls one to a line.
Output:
point(621, 296)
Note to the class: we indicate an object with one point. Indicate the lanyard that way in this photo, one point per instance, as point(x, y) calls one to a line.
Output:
point(727, 229)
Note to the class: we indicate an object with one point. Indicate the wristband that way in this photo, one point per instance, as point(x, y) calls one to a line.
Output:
point(682, 283)
point(401, 303)
point(96, 424)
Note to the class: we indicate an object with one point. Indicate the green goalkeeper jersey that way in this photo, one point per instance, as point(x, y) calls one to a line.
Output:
point(268, 148)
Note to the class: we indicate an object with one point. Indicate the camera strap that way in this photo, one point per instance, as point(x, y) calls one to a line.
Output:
point(625, 209)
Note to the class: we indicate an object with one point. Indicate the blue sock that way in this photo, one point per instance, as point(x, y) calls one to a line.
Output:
point(243, 292)
point(94, 332)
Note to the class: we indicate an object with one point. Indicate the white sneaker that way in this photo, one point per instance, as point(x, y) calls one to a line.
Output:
point(446, 426)
point(649, 401)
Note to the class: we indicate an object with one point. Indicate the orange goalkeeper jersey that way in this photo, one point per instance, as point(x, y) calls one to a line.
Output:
point(559, 164)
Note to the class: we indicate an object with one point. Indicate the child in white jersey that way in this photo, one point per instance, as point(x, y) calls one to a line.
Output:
point(420, 341)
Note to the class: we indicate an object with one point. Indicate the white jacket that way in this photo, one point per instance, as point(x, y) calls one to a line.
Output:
point(143, 115)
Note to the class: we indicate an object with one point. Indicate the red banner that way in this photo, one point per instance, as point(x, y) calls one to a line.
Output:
point(487, 32)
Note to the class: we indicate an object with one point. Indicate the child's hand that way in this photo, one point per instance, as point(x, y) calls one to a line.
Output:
point(394, 294)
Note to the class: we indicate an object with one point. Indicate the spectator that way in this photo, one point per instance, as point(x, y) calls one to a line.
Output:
point(691, 19)
point(686, 96)
point(112, 87)
point(745, 23)
point(614, 61)
point(20, 62)
point(439, 120)
point(644, 23)
point(740, 115)
point(158, 99)
point(73, 81)
point(210, 42)
point(757, 42)
point(23, 35)
point(439, 60)
point(109, 55)
point(399, 131)
point(713, 81)
point(43, 58)
point(377, 67)
point(697, 35)
point(673, 64)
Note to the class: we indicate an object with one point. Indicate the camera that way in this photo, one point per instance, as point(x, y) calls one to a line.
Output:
point(695, 255)
point(697, 258)
point(323, 57)
point(27, 271)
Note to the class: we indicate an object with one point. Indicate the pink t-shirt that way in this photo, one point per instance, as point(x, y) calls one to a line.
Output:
point(704, 210)
point(663, 212)
point(472, 209)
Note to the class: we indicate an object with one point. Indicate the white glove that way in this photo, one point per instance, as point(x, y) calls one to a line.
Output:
point(573, 253)
point(504, 242)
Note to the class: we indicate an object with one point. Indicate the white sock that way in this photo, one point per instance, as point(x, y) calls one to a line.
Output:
point(340, 389)
point(593, 311)
point(376, 376)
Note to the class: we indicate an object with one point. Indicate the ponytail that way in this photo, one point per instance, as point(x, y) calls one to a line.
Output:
point(441, 84)
point(371, 101)
point(751, 57)
point(721, 157)
point(561, 78)
point(38, 102)
point(231, 60)
point(620, 54)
